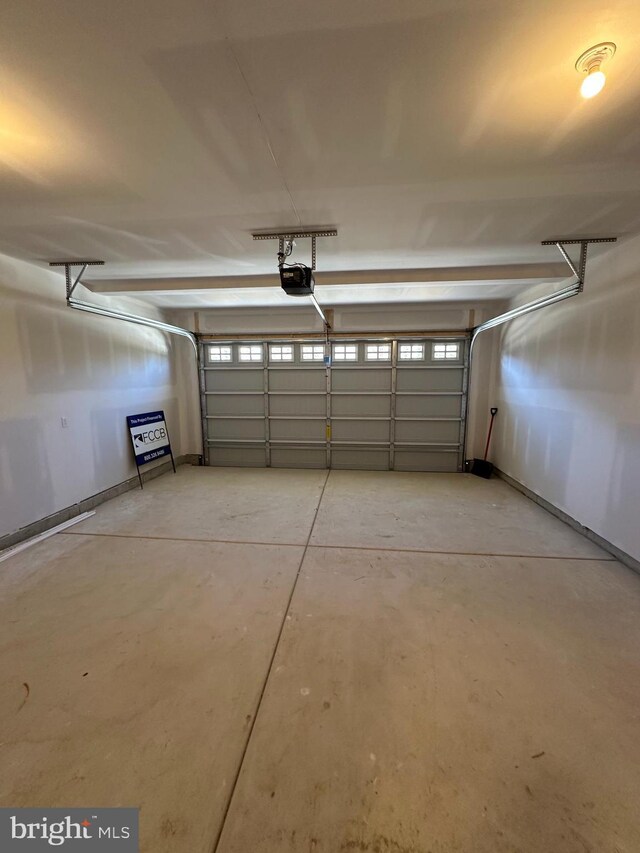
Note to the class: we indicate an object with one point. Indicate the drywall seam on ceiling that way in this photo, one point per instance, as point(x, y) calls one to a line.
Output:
point(263, 128)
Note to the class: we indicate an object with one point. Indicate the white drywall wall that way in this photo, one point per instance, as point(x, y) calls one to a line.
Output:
point(568, 390)
point(57, 363)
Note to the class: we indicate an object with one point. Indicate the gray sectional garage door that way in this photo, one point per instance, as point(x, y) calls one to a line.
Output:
point(360, 403)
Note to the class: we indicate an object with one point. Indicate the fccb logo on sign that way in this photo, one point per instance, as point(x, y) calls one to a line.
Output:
point(80, 830)
point(149, 436)
point(145, 437)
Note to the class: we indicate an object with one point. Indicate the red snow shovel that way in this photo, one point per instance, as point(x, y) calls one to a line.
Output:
point(480, 467)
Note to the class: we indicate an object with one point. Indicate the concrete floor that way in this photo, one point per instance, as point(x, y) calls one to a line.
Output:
point(271, 661)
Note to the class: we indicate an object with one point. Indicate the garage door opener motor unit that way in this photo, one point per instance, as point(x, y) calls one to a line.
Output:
point(297, 280)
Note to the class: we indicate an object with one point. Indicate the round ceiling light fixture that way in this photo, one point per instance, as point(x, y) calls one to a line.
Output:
point(589, 63)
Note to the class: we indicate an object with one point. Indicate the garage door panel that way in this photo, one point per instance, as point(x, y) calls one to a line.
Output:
point(238, 457)
point(415, 460)
point(358, 379)
point(235, 404)
point(360, 459)
point(298, 404)
point(297, 380)
point(298, 457)
point(297, 429)
point(428, 431)
point(241, 379)
point(360, 430)
point(361, 404)
point(229, 428)
point(438, 379)
point(428, 406)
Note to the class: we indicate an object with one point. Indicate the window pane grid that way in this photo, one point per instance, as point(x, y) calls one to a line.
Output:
point(219, 353)
point(378, 352)
point(411, 352)
point(446, 351)
point(279, 352)
point(312, 352)
point(251, 352)
point(345, 352)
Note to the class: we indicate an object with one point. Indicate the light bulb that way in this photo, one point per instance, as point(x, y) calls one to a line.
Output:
point(592, 84)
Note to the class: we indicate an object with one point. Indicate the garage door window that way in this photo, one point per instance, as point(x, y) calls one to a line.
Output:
point(345, 352)
point(312, 352)
point(252, 352)
point(219, 353)
point(446, 352)
point(378, 352)
point(279, 352)
point(411, 352)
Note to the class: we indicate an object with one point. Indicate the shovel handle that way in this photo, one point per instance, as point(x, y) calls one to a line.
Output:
point(494, 412)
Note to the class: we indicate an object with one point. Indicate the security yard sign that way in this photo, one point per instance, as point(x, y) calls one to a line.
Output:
point(150, 438)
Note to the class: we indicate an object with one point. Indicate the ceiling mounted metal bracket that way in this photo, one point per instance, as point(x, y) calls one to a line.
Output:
point(294, 233)
point(71, 286)
point(583, 242)
point(297, 234)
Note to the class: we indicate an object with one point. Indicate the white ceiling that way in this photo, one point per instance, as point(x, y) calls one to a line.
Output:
point(158, 136)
